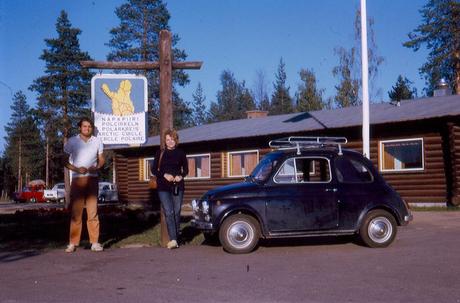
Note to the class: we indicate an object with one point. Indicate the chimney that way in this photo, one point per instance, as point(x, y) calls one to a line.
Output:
point(251, 114)
point(442, 89)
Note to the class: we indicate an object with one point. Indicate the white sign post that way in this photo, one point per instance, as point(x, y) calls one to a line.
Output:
point(119, 104)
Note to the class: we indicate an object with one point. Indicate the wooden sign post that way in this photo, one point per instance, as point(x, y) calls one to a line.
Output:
point(165, 65)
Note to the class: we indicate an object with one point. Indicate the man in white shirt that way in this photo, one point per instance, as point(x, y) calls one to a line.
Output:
point(84, 159)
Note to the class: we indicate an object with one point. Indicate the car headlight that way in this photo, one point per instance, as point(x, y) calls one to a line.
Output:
point(205, 206)
point(194, 205)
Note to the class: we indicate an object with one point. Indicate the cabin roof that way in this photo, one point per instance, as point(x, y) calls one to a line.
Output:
point(380, 113)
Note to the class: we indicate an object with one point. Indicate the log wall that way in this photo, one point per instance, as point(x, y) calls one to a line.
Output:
point(454, 149)
point(429, 185)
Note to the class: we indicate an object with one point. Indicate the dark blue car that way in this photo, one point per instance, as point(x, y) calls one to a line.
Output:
point(308, 186)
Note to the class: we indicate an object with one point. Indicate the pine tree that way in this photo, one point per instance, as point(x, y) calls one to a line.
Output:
point(182, 113)
point(348, 71)
point(439, 33)
point(308, 96)
point(137, 39)
point(63, 91)
point(281, 101)
point(402, 90)
point(24, 147)
point(199, 112)
point(232, 101)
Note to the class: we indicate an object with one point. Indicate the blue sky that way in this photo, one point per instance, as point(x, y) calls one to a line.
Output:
point(243, 36)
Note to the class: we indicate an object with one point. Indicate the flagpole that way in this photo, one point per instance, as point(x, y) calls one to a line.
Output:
point(365, 80)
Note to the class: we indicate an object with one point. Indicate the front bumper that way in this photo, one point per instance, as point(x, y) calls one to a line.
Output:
point(407, 218)
point(202, 225)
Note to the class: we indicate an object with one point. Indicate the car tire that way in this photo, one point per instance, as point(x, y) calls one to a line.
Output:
point(239, 234)
point(378, 229)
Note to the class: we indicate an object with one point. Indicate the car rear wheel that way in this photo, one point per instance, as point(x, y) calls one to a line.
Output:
point(239, 234)
point(378, 229)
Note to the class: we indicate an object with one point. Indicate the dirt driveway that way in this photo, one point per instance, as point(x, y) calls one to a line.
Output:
point(422, 265)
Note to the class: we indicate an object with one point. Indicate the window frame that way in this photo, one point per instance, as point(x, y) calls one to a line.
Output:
point(199, 178)
point(147, 173)
point(403, 170)
point(295, 170)
point(240, 152)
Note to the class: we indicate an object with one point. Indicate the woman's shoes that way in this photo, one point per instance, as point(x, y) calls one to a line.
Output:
point(172, 244)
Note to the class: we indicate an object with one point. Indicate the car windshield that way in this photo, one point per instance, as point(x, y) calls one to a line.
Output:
point(263, 170)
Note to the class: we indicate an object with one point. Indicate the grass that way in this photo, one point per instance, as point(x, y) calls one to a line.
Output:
point(152, 237)
point(434, 208)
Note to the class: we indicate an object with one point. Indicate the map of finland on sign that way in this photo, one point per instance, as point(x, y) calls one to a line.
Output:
point(119, 103)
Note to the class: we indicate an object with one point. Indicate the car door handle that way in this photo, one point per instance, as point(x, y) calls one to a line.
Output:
point(331, 190)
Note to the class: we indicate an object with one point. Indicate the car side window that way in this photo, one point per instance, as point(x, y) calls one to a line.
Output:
point(304, 170)
point(286, 173)
point(352, 171)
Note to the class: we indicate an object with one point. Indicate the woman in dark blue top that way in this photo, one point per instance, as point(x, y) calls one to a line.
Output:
point(170, 173)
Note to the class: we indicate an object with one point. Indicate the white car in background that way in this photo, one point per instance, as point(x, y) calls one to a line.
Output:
point(56, 194)
point(108, 192)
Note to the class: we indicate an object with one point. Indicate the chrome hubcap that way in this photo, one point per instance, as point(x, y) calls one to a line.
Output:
point(240, 234)
point(380, 229)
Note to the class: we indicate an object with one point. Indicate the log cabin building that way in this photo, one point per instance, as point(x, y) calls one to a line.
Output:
point(415, 144)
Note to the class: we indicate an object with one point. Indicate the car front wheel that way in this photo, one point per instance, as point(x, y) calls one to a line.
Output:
point(239, 234)
point(378, 229)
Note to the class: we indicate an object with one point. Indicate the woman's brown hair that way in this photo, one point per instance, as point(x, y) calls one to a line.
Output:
point(173, 134)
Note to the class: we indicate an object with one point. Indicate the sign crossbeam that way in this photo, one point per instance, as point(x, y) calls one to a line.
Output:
point(139, 65)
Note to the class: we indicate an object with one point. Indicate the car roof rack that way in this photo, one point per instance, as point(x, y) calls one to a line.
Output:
point(299, 142)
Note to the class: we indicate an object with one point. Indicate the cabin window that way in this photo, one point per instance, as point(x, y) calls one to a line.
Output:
point(401, 155)
point(199, 166)
point(241, 164)
point(304, 170)
point(148, 162)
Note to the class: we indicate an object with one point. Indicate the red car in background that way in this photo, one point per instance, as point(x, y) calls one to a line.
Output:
point(32, 193)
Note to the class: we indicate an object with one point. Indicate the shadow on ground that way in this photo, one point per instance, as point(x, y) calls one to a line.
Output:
point(29, 233)
point(309, 241)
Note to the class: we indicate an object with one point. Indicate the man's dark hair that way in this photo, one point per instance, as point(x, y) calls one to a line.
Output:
point(85, 119)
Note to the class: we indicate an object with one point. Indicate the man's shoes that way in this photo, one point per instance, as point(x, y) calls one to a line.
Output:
point(96, 247)
point(172, 244)
point(70, 248)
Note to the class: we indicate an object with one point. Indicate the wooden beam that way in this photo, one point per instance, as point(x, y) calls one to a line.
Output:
point(187, 65)
point(142, 65)
point(166, 110)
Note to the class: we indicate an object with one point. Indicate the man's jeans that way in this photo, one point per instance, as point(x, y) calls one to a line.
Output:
point(83, 194)
point(171, 205)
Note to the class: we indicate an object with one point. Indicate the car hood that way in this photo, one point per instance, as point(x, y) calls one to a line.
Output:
point(231, 190)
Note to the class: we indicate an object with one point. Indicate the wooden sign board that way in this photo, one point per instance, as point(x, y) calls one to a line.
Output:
point(119, 104)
